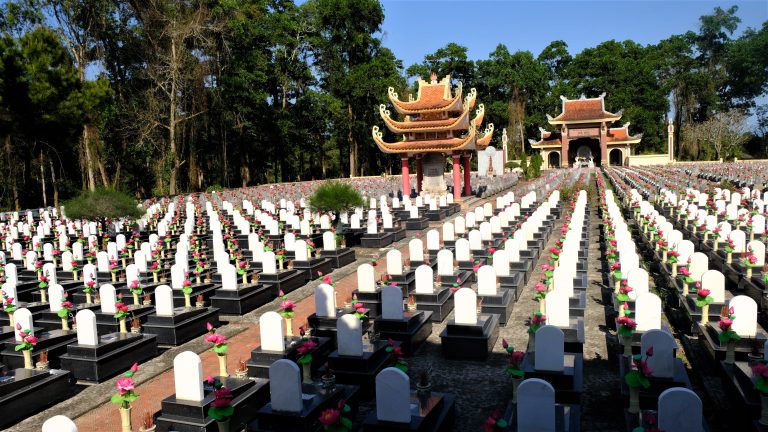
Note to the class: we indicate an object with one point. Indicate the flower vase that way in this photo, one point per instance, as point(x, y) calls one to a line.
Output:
point(223, 365)
point(515, 384)
point(11, 321)
point(74, 275)
point(289, 327)
point(123, 261)
point(187, 301)
point(730, 352)
point(634, 400)
point(674, 270)
point(704, 314)
point(154, 277)
point(685, 289)
point(616, 286)
point(306, 371)
point(281, 264)
point(694, 230)
point(43, 297)
point(749, 272)
point(626, 342)
point(657, 247)
point(543, 306)
point(706, 236)
point(223, 425)
point(751, 235)
point(65, 324)
point(531, 342)
point(114, 277)
point(664, 257)
point(245, 279)
point(27, 359)
point(729, 259)
point(197, 279)
point(125, 419)
point(136, 299)
point(123, 329)
point(714, 245)
point(764, 410)
point(88, 299)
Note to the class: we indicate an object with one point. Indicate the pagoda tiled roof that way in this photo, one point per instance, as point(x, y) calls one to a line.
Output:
point(621, 136)
point(548, 139)
point(431, 97)
point(583, 110)
point(432, 145)
point(411, 125)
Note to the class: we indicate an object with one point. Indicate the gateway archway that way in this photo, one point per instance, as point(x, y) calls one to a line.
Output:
point(553, 160)
point(584, 150)
point(616, 157)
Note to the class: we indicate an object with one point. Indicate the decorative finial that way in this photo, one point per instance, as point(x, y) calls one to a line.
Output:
point(433, 77)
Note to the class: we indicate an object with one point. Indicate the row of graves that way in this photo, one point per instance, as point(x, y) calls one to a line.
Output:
point(189, 261)
point(708, 246)
point(353, 353)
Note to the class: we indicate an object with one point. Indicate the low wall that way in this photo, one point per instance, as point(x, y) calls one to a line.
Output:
point(652, 159)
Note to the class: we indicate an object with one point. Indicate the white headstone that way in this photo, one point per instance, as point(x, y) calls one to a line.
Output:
point(329, 241)
point(188, 376)
point(486, 281)
point(714, 281)
point(164, 300)
point(662, 362)
point(680, 410)
point(23, 318)
point(56, 292)
point(59, 423)
point(391, 303)
point(268, 263)
point(745, 309)
point(272, 329)
point(87, 333)
point(466, 306)
point(648, 312)
point(535, 406)
point(395, 262)
point(108, 299)
point(445, 262)
point(424, 279)
point(558, 313)
point(416, 249)
point(549, 348)
point(393, 396)
point(349, 336)
point(366, 281)
point(325, 301)
point(285, 397)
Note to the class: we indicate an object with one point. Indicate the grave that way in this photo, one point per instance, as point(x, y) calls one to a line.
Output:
point(176, 325)
point(536, 409)
point(285, 280)
point(745, 325)
point(416, 220)
point(356, 362)
point(53, 341)
point(275, 346)
point(310, 266)
point(552, 363)
point(492, 299)
point(339, 256)
point(235, 298)
point(206, 289)
point(405, 278)
point(187, 409)
point(323, 321)
point(294, 406)
point(368, 291)
point(105, 311)
point(410, 328)
point(559, 315)
point(508, 280)
point(400, 409)
point(431, 296)
point(24, 392)
point(95, 358)
point(393, 227)
point(373, 238)
point(469, 336)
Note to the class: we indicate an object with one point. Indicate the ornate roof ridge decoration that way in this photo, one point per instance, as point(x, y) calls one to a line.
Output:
point(479, 115)
point(435, 145)
point(485, 140)
point(435, 99)
point(409, 126)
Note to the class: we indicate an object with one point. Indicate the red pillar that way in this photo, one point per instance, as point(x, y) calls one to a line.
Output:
point(456, 178)
point(467, 185)
point(419, 173)
point(406, 177)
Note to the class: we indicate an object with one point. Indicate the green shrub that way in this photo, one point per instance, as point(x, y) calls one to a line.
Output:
point(335, 197)
point(103, 203)
point(513, 165)
point(214, 187)
point(534, 169)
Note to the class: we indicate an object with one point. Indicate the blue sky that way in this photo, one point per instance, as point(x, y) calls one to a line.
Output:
point(413, 28)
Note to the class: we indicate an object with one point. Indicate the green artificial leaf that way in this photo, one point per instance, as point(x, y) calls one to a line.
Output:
point(762, 385)
point(220, 349)
point(130, 397)
point(622, 297)
point(502, 423)
point(347, 423)
point(117, 399)
point(346, 409)
point(62, 313)
point(632, 379)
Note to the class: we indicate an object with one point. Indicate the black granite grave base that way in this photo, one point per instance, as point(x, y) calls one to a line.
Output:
point(8, 332)
point(501, 305)
point(398, 233)
point(435, 215)
point(567, 419)
point(285, 281)
point(241, 301)
point(524, 267)
point(470, 342)
point(53, 341)
point(34, 308)
point(315, 402)
point(435, 412)
point(106, 323)
point(361, 371)
point(739, 384)
point(440, 303)
point(461, 278)
point(184, 325)
point(417, 224)
point(512, 283)
point(326, 326)
point(114, 354)
point(406, 281)
point(260, 361)
point(24, 392)
point(185, 416)
point(51, 320)
point(568, 383)
point(376, 241)
point(206, 289)
point(411, 331)
point(310, 269)
point(339, 257)
point(649, 397)
point(710, 340)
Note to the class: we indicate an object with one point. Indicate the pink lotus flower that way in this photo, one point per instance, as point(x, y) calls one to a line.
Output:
point(223, 397)
point(540, 287)
point(306, 347)
point(124, 385)
point(31, 339)
point(725, 323)
point(215, 338)
point(703, 292)
point(287, 304)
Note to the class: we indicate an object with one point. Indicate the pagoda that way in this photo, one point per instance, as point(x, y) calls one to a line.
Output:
point(435, 124)
point(584, 136)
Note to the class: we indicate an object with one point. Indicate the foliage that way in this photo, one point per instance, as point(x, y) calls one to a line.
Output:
point(101, 203)
point(534, 169)
point(335, 197)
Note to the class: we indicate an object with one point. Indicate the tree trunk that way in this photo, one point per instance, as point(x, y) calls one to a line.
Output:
point(42, 179)
point(11, 172)
point(91, 176)
point(352, 143)
point(55, 186)
point(172, 124)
